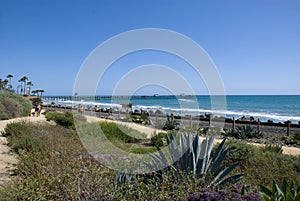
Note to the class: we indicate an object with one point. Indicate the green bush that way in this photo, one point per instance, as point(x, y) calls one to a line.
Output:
point(273, 148)
point(143, 150)
point(16, 129)
point(264, 167)
point(26, 143)
point(171, 123)
point(21, 137)
point(64, 119)
point(239, 151)
point(295, 139)
point(159, 140)
point(285, 192)
point(13, 105)
point(245, 132)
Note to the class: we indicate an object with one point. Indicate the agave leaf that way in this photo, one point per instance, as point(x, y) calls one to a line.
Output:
point(210, 145)
point(164, 160)
point(225, 172)
point(278, 190)
point(157, 161)
point(197, 147)
point(297, 197)
point(173, 149)
point(216, 166)
point(233, 179)
point(183, 160)
point(284, 186)
point(203, 155)
point(266, 197)
point(266, 191)
point(289, 197)
point(218, 151)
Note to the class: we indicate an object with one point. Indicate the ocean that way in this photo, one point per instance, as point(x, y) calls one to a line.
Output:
point(278, 108)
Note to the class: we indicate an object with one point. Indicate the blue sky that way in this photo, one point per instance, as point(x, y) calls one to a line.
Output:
point(254, 44)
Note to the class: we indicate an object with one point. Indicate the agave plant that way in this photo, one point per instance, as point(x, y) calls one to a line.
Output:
point(246, 131)
point(285, 192)
point(192, 156)
point(171, 123)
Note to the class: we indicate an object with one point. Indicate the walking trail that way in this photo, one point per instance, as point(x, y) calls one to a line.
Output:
point(8, 159)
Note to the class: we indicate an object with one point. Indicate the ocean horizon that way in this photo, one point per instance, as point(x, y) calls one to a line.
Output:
point(278, 108)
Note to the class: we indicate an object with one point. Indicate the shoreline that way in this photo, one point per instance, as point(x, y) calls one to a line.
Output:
point(261, 105)
point(202, 120)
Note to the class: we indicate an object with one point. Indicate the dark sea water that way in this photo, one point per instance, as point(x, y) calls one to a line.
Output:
point(278, 108)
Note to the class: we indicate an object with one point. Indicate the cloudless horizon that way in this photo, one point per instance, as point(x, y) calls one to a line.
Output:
point(255, 45)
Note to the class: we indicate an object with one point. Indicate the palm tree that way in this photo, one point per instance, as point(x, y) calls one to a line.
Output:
point(34, 92)
point(29, 86)
point(5, 82)
point(20, 85)
point(24, 79)
point(9, 77)
point(1, 84)
point(41, 91)
point(23, 89)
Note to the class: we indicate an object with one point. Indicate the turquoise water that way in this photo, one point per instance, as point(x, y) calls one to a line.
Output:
point(278, 108)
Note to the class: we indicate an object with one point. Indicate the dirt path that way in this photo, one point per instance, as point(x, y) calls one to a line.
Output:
point(8, 159)
point(143, 129)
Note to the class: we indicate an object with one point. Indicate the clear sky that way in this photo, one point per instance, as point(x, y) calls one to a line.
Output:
point(255, 44)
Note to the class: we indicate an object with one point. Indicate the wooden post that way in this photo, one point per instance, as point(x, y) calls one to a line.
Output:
point(191, 120)
point(258, 124)
point(233, 123)
point(288, 128)
point(209, 120)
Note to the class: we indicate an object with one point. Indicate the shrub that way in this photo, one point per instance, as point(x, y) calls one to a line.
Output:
point(21, 137)
point(245, 132)
point(292, 139)
point(159, 140)
point(13, 105)
point(264, 167)
point(194, 158)
point(63, 119)
point(16, 129)
point(238, 151)
point(285, 192)
point(171, 123)
point(224, 195)
point(273, 148)
point(26, 143)
point(143, 150)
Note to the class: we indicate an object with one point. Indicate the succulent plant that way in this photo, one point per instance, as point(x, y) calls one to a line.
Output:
point(171, 123)
point(285, 192)
point(245, 132)
point(192, 156)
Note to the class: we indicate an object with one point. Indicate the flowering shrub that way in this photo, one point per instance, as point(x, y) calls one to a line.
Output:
point(224, 195)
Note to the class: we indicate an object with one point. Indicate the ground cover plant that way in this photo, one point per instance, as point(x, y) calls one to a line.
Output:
point(292, 140)
point(13, 105)
point(245, 132)
point(54, 165)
